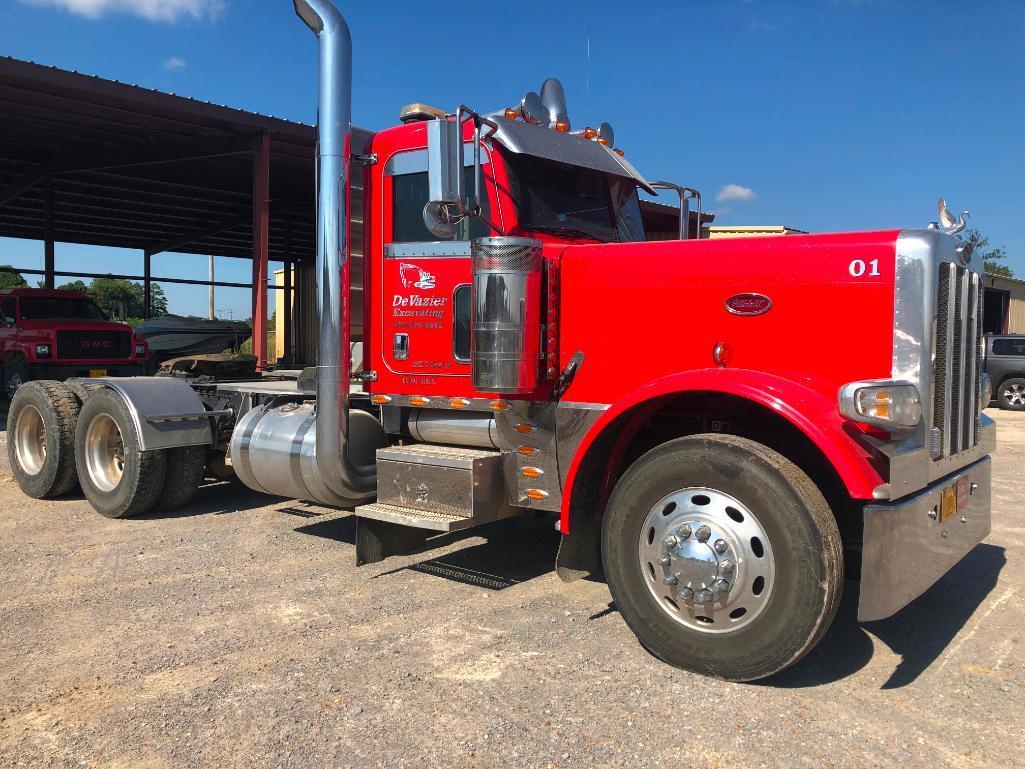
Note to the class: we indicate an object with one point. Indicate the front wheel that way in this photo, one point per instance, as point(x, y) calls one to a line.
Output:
point(722, 556)
point(1012, 394)
point(118, 478)
point(15, 374)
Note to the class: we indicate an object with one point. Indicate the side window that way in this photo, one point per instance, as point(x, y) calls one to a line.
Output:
point(409, 196)
point(1009, 347)
point(7, 308)
point(461, 323)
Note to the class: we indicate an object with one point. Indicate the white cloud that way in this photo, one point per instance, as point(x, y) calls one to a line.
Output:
point(152, 10)
point(174, 63)
point(737, 193)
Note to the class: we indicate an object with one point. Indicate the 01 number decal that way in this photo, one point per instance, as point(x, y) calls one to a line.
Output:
point(858, 267)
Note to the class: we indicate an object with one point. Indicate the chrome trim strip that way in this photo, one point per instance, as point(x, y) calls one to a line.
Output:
point(429, 250)
point(584, 405)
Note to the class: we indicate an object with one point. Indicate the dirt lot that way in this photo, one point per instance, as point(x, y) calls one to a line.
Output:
point(240, 634)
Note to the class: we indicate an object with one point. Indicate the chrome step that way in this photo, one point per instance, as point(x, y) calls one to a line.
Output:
point(419, 519)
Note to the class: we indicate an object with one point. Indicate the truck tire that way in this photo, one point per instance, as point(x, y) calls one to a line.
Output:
point(41, 439)
point(185, 469)
point(722, 556)
point(1011, 394)
point(117, 477)
point(15, 375)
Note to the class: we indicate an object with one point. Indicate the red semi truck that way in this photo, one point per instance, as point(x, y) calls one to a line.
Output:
point(58, 335)
point(722, 429)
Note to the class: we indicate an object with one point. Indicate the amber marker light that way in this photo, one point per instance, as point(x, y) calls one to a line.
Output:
point(522, 428)
point(511, 114)
point(536, 494)
point(619, 152)
point(528, 451)
point(603, 140)
point(499, 405)
point(459, 403)
point(419, 400)
point(380, 400)
point(590, 133)
point(532, 472)
point(561, 126)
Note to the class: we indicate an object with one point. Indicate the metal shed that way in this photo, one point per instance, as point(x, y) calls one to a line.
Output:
point(89, 160)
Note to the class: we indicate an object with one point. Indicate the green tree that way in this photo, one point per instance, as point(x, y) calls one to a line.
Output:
point(125, 299)
point(991, 257)
point(75, 285)
point(11, 279)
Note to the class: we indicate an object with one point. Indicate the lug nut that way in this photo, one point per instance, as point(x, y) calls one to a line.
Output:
point(703, 533)
point(721, 586)
point(671, 579)
point(727, 567)
point(686, 593)
point(665, 560)
point(684, 531)
point(671, 541)
point(720, 546)
point(704, 596)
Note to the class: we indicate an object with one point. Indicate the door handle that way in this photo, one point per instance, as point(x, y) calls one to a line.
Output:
point(400, 346)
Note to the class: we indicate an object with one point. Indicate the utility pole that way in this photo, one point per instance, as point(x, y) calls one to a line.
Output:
point(213, 316)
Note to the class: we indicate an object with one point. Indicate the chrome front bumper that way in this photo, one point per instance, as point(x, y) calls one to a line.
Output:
point(907, 548)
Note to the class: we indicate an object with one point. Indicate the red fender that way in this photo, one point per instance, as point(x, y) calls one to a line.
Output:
point(808, 410)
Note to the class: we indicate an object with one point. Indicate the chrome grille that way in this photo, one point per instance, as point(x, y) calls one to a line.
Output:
point(955, 424)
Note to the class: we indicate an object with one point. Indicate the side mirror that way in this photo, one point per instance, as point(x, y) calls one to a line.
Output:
point(444, 175)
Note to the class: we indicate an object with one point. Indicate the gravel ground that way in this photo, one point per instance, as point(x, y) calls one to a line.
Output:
point(240, 634)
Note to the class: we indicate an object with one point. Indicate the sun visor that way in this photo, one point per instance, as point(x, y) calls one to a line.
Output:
point(542, 142)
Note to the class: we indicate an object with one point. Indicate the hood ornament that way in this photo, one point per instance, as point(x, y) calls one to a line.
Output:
point(950, 225)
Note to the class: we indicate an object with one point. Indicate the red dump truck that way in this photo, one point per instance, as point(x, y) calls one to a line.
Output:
point(722, 429)
point(46, 334)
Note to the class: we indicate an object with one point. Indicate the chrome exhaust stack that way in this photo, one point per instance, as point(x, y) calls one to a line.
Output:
point(345, 471)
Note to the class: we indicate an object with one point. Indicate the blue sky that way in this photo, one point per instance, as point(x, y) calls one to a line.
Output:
point(823, 115)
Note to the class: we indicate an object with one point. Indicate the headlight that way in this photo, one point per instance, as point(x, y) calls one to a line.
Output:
point(883, 403)
point(43, 351)
point(140, 350)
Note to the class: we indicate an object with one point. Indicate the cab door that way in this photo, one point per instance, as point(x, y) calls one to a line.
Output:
point(424, 302)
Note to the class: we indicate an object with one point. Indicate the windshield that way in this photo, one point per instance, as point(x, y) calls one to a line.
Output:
point(555, 197)
point(47, 307)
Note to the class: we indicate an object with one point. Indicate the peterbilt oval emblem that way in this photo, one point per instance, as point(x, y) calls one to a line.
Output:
point(748, 304)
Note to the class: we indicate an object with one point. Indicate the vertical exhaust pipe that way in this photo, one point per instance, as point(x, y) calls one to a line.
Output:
point(334, 128)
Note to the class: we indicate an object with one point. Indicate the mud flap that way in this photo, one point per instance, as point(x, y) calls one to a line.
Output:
point(377, 540)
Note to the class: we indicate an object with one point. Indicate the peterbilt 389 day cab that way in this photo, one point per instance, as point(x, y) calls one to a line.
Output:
point(722, 429)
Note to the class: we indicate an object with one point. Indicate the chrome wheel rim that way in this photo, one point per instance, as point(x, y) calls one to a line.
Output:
point(30, 440)
point(1014, 395)
point(707, 560)
point(104, 452)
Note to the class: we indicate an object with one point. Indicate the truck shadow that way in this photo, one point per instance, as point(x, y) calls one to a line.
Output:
point(514, 550)
point(215, 498)
point(920, 632)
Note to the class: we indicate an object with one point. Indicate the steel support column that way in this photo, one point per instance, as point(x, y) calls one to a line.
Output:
point(48, 258)
point(261, 215)
point(147, 285)
point(285, 307)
